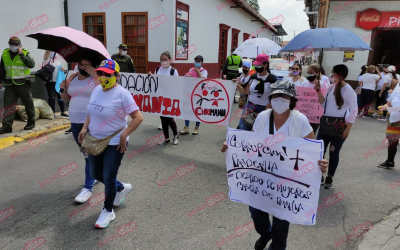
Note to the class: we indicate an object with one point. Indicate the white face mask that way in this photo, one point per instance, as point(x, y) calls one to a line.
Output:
point(13, 48)
point(165, 64)
point(280, 104)
point(124, 53)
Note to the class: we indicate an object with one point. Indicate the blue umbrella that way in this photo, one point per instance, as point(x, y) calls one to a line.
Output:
point(326, 39)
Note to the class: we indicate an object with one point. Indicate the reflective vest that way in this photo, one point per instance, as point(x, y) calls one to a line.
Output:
point(15, 69)
point(233, 64)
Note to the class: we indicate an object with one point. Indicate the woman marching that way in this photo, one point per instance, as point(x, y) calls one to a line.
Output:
point(258, 89)
point(296, 78)
point(369, 82)
point(282, 118)
point(78, 100)
point(360, 84)
point(108, 108)
point(340, 101)
point(167, 122)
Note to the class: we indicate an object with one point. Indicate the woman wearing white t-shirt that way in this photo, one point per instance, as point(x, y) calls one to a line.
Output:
point(393, 129)
point(167, 122)
point(108, 108)
point(77, 90)
point(296, 77)
point(369, 82)
point(258, 89)
point(339, 101)
point(378, 100)
point(360, 83)
point(284, 119)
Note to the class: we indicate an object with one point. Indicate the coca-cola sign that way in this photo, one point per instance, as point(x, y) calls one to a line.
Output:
point(369, 19)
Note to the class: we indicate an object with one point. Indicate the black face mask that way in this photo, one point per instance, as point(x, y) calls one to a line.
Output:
point(245, 71)
point(311, 78)
point(259, 69)
point(386, 71)
point(83, 72)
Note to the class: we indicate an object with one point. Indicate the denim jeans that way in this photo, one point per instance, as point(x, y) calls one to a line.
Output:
point(104, 168)
point(334, 151)
point(89, 181)
point(279, 230)
point(187, 122)
point(255, 108)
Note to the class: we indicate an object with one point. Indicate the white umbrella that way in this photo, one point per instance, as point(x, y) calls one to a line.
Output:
point(253, 47)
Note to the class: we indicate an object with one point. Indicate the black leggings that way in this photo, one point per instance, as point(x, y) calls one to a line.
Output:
point(315, 127)
point(367, 95)
point(168, 121)
point(53, 94)
point(392, 149)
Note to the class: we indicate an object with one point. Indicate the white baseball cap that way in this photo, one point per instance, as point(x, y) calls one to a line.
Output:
point(392, 68)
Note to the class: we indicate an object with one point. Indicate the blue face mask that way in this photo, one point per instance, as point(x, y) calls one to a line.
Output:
point(197, 65)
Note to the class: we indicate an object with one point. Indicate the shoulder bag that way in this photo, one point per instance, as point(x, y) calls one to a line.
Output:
point(94, 146)
point(331, 126)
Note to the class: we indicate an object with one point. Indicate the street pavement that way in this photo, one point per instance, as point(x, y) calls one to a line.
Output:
point(159, 214)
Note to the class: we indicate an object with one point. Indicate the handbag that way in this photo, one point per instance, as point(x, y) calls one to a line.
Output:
point(331, 126)
point(248, 116)
point(94, 146)
point(46, 72)
point(242, 101)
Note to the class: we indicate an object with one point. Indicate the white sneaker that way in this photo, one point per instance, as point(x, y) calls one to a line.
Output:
point(160, 127)
point(375, 115)
point(105, 218)
point(175, 141)
point(95, 182)
point(120, 197)
point(83, 196)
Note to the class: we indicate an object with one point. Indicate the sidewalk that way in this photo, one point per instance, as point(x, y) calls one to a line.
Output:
point(42, 126)
point(385, 235)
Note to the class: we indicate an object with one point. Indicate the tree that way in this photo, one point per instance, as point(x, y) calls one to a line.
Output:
point(254, 4)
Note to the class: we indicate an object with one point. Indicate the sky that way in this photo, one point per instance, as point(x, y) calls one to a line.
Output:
point(295, 19)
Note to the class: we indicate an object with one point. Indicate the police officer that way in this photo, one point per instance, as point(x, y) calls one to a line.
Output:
point(15, 72)
point(232, 65)
point(125, 62)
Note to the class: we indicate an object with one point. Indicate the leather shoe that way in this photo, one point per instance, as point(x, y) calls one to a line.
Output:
point(29, 126)
point(5, 130)
point(262, 242)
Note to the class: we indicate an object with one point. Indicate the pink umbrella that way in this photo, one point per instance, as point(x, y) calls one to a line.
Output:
point(69, 43)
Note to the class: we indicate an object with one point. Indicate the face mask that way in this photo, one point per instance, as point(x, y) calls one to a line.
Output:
point(13, 48)
point(83, 72)
point(245, 71)
point(124, 53)
point(386, 71)
point(280, 104)
point(259, 69)
point(165, 64)
point(311, 77)
point(197, 65)
point(295, 73)
point(106, 82)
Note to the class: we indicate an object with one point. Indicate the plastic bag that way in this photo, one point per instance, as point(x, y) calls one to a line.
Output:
point(60, 78)
point(22, 113)
point(45, 111)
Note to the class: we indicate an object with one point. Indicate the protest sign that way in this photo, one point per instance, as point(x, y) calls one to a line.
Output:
point(282, 179)
point(210, 101)
point(308, 104)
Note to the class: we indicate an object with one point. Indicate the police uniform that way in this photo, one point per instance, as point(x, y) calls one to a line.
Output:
point(125, 61)
point(231, 66)
point(15, 73)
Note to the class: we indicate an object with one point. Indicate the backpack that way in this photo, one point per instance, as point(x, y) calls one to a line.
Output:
point(46, 72)
point(193, 73)
point(172, 72)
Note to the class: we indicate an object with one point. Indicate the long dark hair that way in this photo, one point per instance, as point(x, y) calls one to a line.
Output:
point(363, 70)
point(298, 64)
point(342, 71)
point(394, 75)
point(269, 71)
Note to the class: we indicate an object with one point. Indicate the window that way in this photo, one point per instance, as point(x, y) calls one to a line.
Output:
point(135, 36)
point(246, 36)
point(235, 38)
point(182, 31)
point(94, 24)
point(223, 41)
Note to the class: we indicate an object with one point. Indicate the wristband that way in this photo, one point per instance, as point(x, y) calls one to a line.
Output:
point(317, 90)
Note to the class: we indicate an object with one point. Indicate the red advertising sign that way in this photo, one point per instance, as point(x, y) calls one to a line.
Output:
point(368, 19)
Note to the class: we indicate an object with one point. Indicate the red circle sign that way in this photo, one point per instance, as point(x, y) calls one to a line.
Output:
point(369, 19)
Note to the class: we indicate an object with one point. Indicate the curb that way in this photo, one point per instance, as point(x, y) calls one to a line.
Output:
point(12, 140)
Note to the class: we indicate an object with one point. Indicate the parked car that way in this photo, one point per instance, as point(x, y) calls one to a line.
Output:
point(280, 68)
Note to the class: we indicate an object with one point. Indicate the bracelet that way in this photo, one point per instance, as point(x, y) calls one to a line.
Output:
point(317, 90)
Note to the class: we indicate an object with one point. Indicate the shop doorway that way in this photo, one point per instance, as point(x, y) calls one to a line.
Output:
point(386, 49)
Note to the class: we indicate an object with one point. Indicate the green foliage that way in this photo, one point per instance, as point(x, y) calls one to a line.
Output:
point(254, 4)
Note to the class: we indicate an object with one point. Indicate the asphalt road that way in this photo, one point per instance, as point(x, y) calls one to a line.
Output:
point(161, 212)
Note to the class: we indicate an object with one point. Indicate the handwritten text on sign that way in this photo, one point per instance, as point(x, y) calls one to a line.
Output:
point(308, 104)
point(210, 100)
point(283, 179)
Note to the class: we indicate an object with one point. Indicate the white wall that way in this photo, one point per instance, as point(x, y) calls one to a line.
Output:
point(15, 15)
point(345, 17)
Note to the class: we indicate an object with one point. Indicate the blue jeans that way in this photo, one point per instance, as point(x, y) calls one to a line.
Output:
point(89, 181)
point(254, 108)
point(278, 231)
point(337, 144)
point(104, 168)
point(187, 122)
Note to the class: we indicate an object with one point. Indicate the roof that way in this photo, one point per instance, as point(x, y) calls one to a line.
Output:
point(251, 11)
point(279, 28)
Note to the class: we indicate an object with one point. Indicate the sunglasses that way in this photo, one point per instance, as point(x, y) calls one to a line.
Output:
point(101, 73)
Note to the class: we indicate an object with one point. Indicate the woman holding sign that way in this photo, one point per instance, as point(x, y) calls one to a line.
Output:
point(339, 102)
point(282, 118)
